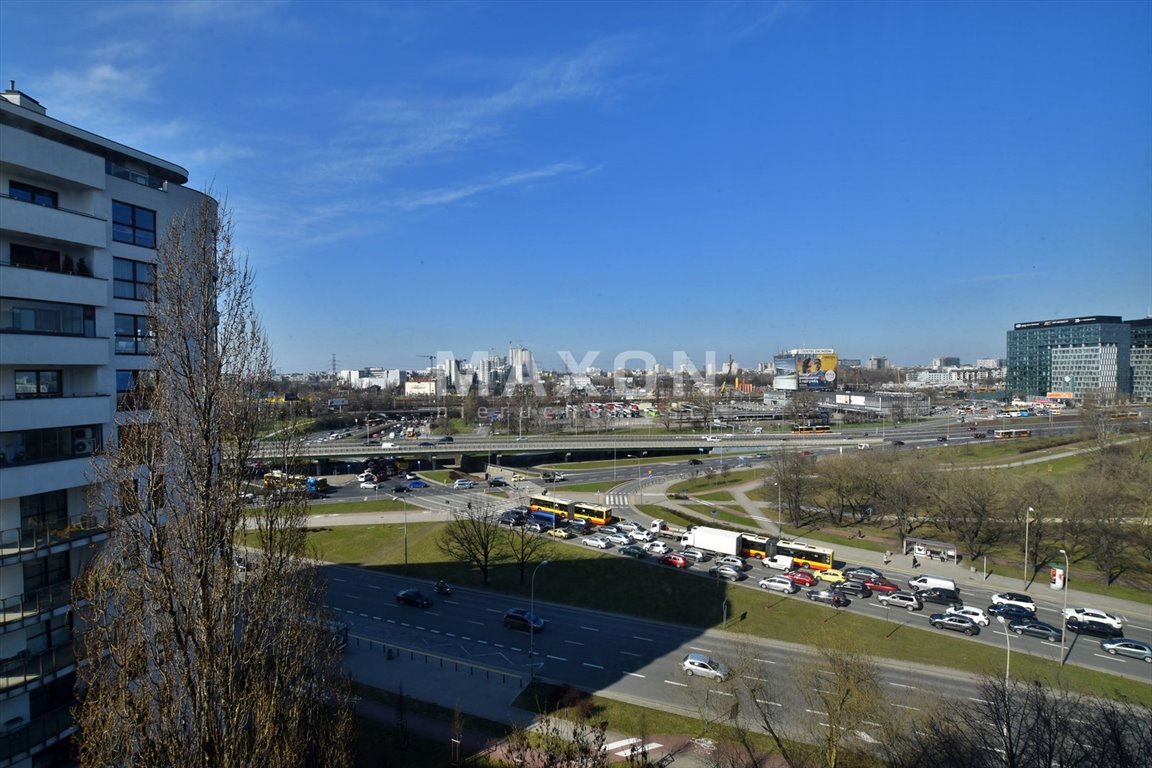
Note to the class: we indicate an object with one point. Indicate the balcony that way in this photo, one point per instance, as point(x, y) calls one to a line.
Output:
point(22, 741)
point(58, 224)
point(23, 671)
point(35, 540)
point(42, 412)
point(42, 349)
point(44, 284)
point(20, 611)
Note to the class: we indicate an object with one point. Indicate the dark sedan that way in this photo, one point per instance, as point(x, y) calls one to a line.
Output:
point(1097, 628)
point(412, 597)
point(833, 597)
point(401, 489)
point(1036, 629)
point(853, 587)
point(1010, 612)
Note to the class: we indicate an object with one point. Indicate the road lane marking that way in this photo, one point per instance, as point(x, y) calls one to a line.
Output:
point(769, 703)
point(594, 666)
point(590, 629)
point(901, 685)
point(673, 682)
point(635, 674)
point(903, 706)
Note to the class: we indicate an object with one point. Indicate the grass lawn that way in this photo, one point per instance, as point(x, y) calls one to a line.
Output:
point(697, 601)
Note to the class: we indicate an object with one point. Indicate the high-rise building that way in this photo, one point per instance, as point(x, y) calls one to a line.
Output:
point(1141, 358)
point(1070, 355)
point(80, 216)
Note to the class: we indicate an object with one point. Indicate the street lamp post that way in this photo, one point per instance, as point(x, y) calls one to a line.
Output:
point(1064, 614)
point(1027, 520)
point(405, 503)
point(779, 510)
point(1008, 650)
point(532, 613)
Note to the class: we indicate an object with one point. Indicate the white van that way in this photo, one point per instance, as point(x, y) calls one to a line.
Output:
point(778, 562)
point(925, 581)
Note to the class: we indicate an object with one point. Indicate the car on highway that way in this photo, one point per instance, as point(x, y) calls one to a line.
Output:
point(954, 623)
point(620, 539)
point(1093, 614)
point(695, 462)
point(1011, 612)
point(368, 485)
point(597, 540)
point(553, 477)
point(881, 585)
point(941, 596)
point(697, 664)
point(942, 439)
point(523, 620)
point(909, 601)
point(676, 561)
point(464, 484)
point(627, 526)
point(446, 439)
point(657, 548)
point(642, 536)
point(978, 616)
point(425, 444)
point(413, 597)
point(726, 572)
point(417, 484)
point(512, 519)
point(1088, 627)
point(401, 489)
point(854, 587)
point(862, 573)
point(802, 577)
point(779, 584)
point(561, 533)
point(366, 476)
point(897, 442)
point(1036, 628)
point(633, 550)
point(497, 482)
point(695, 555)
point(832, 597)
point(733, 560)
point(1125, 646)
point(1018, 599)
point(832, 576)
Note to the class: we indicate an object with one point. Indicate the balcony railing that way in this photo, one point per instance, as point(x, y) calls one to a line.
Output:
point(21, 669)
point(17, 740)
point(32, 604)
point(32, 536)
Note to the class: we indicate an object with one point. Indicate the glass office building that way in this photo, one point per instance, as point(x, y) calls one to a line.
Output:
point(1074, 355)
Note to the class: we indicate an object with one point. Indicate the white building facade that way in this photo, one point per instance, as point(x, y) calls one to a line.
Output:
point(80, 217)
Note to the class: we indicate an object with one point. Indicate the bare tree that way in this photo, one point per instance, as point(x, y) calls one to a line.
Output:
point(526, 548)
point(475, 537)
point(184, 660)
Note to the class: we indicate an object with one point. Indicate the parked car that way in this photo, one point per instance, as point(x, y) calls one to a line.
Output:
point(1036, 629)
point(704, 666)
point(726, 572)
point(633, 550)
point(909, 601)
point(954, 623)
point(853, 587)
point(833, 597)
point(862, 573)
point(413, 597)
point(802, 577)
point(676, 561)
point(975, 614)
point(1010, 612)
point(599, 541)
point(832, 576)
point(779, 584)
point(523, 620)
point(1093, 614)
point(1124, 646)
point(1089, 627)
point(1015, 598)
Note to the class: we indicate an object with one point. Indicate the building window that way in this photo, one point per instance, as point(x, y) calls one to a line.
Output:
point(35, 258)
point(133, 389)
point(27, 316)
point(20, 191)
point(133, 224)
point(57, 444)
point(39, 383)
point(133, 336)
point(133, 279)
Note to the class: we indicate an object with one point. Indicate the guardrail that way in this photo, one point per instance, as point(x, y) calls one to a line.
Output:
point(18, 740)
point(391, 651)
point(32, 536)
point(31, 604)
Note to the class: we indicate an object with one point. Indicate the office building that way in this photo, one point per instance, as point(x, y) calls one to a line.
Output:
point(80, 216)
point(1141, 359)
point(1071, 355)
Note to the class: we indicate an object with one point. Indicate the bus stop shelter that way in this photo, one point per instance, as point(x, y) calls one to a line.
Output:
point(931, 549)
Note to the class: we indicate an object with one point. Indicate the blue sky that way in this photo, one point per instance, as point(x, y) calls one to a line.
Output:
point(894, 179)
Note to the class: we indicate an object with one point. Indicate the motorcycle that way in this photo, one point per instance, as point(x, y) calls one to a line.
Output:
point(443, 589)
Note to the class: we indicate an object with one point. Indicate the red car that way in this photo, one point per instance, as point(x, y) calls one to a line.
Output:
point(881, 585)
point(678, 561)
point(802, 577)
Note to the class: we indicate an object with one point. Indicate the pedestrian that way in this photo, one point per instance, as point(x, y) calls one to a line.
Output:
point(887, 557)
point(915, 562)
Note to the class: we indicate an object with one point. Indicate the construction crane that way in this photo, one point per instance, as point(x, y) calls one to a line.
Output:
point(431, 362)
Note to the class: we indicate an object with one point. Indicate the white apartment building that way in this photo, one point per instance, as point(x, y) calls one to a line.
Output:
point(80, 216)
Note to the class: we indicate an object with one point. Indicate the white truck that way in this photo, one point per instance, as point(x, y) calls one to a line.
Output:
point(712, 540)
point(662, 529)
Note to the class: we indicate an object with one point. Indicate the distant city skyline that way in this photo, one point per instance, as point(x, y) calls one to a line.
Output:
point(900, 180)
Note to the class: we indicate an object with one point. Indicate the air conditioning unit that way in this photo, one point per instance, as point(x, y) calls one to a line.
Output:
point(82, 433)
point(84, 446)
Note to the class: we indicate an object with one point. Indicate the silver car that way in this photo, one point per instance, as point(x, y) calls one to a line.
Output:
point(779, 584)
point(704, 666)
point(1124, 646)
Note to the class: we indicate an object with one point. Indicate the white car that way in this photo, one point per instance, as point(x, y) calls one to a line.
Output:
point(1015, 598)
point(779, 584)
point(642, 536)
point(366, 477)
point(1092, 614)
point(368, 485)
point(695, 555)
point(598, 541)
point(620, 539)
point(658, 548)
point(464, 484)
point(978, 616)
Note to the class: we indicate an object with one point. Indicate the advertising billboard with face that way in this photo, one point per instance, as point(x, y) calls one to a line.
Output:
point(805, 370)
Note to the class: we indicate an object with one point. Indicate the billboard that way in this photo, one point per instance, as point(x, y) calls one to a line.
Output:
point(805, 370)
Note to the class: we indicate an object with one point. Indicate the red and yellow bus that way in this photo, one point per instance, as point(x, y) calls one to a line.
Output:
point(595, 514)
point(1008, 434)
point(805, 554)
point(805, 429)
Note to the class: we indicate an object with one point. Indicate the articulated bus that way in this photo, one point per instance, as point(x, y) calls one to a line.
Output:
point(1007, 434)
point(803, 554)
point(804, 429)
point(572, 510)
